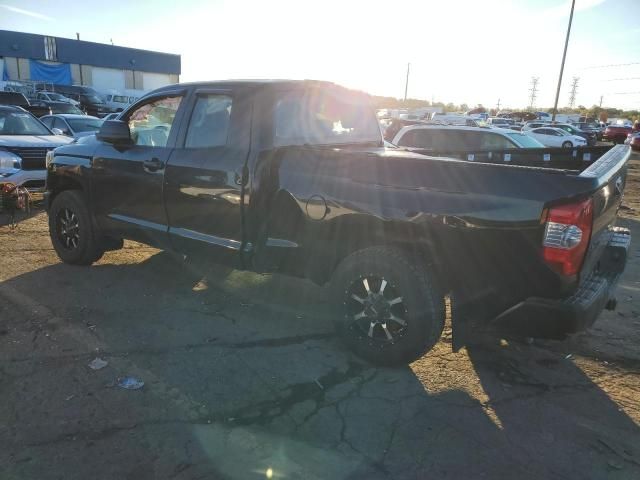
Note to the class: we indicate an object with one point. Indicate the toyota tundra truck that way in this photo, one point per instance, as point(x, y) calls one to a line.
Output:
point(294, 177)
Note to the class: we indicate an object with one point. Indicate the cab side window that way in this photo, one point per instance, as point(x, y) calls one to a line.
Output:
point(209, 123)
point(150, 124)
point(491, 141)
point(48, 121)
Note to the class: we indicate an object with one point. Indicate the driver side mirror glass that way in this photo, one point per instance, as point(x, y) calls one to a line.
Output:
point(57, 131)
point(115, 132)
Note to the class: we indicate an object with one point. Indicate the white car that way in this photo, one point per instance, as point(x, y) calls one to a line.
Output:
point(535, 124)
point(444, 137)
point(55, 97)
point(555, 137)
point(24, 143)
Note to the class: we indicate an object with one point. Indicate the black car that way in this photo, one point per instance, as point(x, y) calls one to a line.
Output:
point(591, 128)
point(17, 99)
point(293, 177)
point(90, 100)
point(63, 107)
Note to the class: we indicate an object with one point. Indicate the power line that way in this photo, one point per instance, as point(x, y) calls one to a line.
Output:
point(618, 79)
point(612, 65)
point(625, 93)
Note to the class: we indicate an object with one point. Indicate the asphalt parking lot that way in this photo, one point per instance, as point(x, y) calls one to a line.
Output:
point(244, 379)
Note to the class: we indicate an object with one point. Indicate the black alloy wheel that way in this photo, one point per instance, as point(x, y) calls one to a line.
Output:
point(376, 312)
point(68, 229)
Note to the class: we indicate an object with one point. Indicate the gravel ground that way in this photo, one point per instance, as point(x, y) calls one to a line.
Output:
point(244, 379)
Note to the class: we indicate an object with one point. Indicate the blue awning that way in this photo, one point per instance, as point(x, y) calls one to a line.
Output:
point(56, 74)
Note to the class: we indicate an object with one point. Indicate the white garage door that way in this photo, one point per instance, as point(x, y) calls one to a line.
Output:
point(151, 81)
point(107, 79)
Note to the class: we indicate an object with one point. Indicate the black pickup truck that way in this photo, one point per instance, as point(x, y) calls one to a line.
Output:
point(293, 177)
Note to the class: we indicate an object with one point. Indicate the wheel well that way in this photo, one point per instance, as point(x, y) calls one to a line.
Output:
point(63, 184)
point(365, 232)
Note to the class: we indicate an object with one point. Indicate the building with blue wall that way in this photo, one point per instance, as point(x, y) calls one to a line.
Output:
point(30, 57)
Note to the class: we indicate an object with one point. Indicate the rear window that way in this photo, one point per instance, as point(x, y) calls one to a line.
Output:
point(325, 117)
point(13, 98)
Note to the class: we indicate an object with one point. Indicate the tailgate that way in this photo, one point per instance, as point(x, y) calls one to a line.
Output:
point(610, 173)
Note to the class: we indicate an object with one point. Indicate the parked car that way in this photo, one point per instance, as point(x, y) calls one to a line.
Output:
point(37, 107)
point(301, 184)
point(591, 127)
point(118, 102)
point(90, 101)
point(24, 143)
point(111, 116)
point(454, 119)
point(61, 107)
point(633, 140)
point(590, 137)
point(55, 97)
point(75, 126)
point(500, 122)
point(440, 138)
point(616, 133)
point(534, 124)
point(556, 137)
point(518, 116)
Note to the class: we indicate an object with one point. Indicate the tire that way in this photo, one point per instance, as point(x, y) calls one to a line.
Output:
point(567, 145)
point(71, 230)
point(378, 327)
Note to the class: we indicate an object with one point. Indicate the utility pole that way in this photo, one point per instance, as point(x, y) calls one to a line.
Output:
point(572, 92)
point(406, 84)
point(601, 101)
point(498, 106)
point(564, 56)
point(77, 36)
point(534, 92)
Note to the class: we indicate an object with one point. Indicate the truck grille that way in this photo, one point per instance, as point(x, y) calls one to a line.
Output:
point(32, 158)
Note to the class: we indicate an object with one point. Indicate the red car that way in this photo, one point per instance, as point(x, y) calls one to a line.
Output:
point(616, 133)
point(633, 139)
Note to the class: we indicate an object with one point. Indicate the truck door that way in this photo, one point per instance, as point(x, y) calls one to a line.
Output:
point(204, 177)
point(128, 179)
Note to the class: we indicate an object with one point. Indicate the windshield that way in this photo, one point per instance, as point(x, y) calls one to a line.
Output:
point(92, 99)
point(524, 141)
point(21, 123)
point(57, 97)
point(325, 117)
point(84, 124)
point(66, 108)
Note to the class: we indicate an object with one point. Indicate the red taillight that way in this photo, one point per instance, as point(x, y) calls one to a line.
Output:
point(566, 236)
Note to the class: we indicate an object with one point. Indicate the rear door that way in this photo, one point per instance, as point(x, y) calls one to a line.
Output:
point(204, 177)
point(128, 179)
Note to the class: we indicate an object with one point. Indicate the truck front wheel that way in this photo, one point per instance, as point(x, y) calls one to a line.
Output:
point(71, 230)
point(391, 311)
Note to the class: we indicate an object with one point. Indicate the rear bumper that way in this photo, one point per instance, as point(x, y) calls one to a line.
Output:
point(557, 317)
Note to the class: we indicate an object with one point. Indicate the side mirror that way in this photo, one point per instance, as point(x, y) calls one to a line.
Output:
point(57, 131)
point(114, 131)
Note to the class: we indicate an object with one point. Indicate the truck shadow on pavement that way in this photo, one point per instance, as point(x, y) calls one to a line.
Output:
point(244, 379)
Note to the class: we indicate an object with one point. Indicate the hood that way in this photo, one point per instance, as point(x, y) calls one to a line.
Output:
point(43, 141)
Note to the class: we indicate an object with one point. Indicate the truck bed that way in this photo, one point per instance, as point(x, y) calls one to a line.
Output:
point(577, 159)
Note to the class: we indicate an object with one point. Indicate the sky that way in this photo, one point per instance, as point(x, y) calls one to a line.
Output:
point(461, 51)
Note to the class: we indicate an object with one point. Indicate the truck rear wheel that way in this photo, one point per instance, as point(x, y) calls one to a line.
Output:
point(391, 312)
point(71, 230)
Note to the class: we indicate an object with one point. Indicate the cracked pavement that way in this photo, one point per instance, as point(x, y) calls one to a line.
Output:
point(243, 374)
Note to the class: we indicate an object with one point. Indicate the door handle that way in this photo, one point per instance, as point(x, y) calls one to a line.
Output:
point(153, 165)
